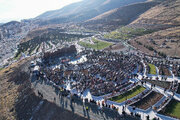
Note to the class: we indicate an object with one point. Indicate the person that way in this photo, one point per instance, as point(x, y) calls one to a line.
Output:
point(173, 93)
point(123, 108)
point(147, 117)
point(54, 99)
point(83, 102)
point(87, 108)
point(164, 90)
point(72, 99)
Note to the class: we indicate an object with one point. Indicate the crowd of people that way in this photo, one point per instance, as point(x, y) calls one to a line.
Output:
point(105, 73)
point(102, 73)
point(164, 65)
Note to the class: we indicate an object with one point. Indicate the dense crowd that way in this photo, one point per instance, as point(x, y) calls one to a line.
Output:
point(102, 73)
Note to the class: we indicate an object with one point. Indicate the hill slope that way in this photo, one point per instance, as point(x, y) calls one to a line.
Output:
point(165, 19)
point(82, 11)
point(18, 100)
point(164, 42)
point(162, 16)
point(120, 16)
point(10, 28)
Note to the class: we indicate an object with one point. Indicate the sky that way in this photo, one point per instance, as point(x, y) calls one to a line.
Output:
point(25, 9)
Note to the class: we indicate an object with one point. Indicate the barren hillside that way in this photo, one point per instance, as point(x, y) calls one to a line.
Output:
point(112, 19)
point(19, 102)
point(164, 42)
point(81, 11)
point(162, 16)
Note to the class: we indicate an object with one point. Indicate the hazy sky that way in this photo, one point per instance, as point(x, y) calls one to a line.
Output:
point(23, 9)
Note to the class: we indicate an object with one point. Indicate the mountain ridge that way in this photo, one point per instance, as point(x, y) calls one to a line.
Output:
point(82, 11)
point(119, 16)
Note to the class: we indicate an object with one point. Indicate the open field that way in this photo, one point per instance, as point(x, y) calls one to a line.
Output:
point(172, 109)
point(159, 43)
point(129, 94)
point(152, 69)
point(148, 101)
point(115, 47)
point(125, 33)
point(99, 45)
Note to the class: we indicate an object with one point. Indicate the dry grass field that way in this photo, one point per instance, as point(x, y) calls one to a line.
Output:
point(165, 20)
point(165, 41)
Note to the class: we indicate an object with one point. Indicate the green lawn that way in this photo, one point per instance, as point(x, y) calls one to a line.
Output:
point(97, 44)
point(152, 69)
point(125, 33)
point(172, 109)
point(129, 94)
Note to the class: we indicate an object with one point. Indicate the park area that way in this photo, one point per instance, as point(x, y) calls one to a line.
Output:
point(148, 101)
point(152, 69)
point(125, 33)
point(97, 44)
point(129, 94)
point(172, 109)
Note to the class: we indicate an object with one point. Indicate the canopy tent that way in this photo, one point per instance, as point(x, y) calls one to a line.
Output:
point(68, 87)
point(87, 95)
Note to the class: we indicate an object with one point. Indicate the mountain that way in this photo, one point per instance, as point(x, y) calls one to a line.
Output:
point(82, 11)
point(165, 20)
point(9, 29)
point(162, 16)
point(112, 19)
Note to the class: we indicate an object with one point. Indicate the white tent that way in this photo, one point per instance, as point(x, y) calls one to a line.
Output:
point(68, 87)
point(87, 95)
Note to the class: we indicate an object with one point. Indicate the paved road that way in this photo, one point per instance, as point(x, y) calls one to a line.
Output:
point(52, 95)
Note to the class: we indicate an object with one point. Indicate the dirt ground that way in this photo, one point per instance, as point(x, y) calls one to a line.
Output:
point(164, 41)
point(148, 101)
point(10, 84)
point(115, 47)
point(19, 102)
